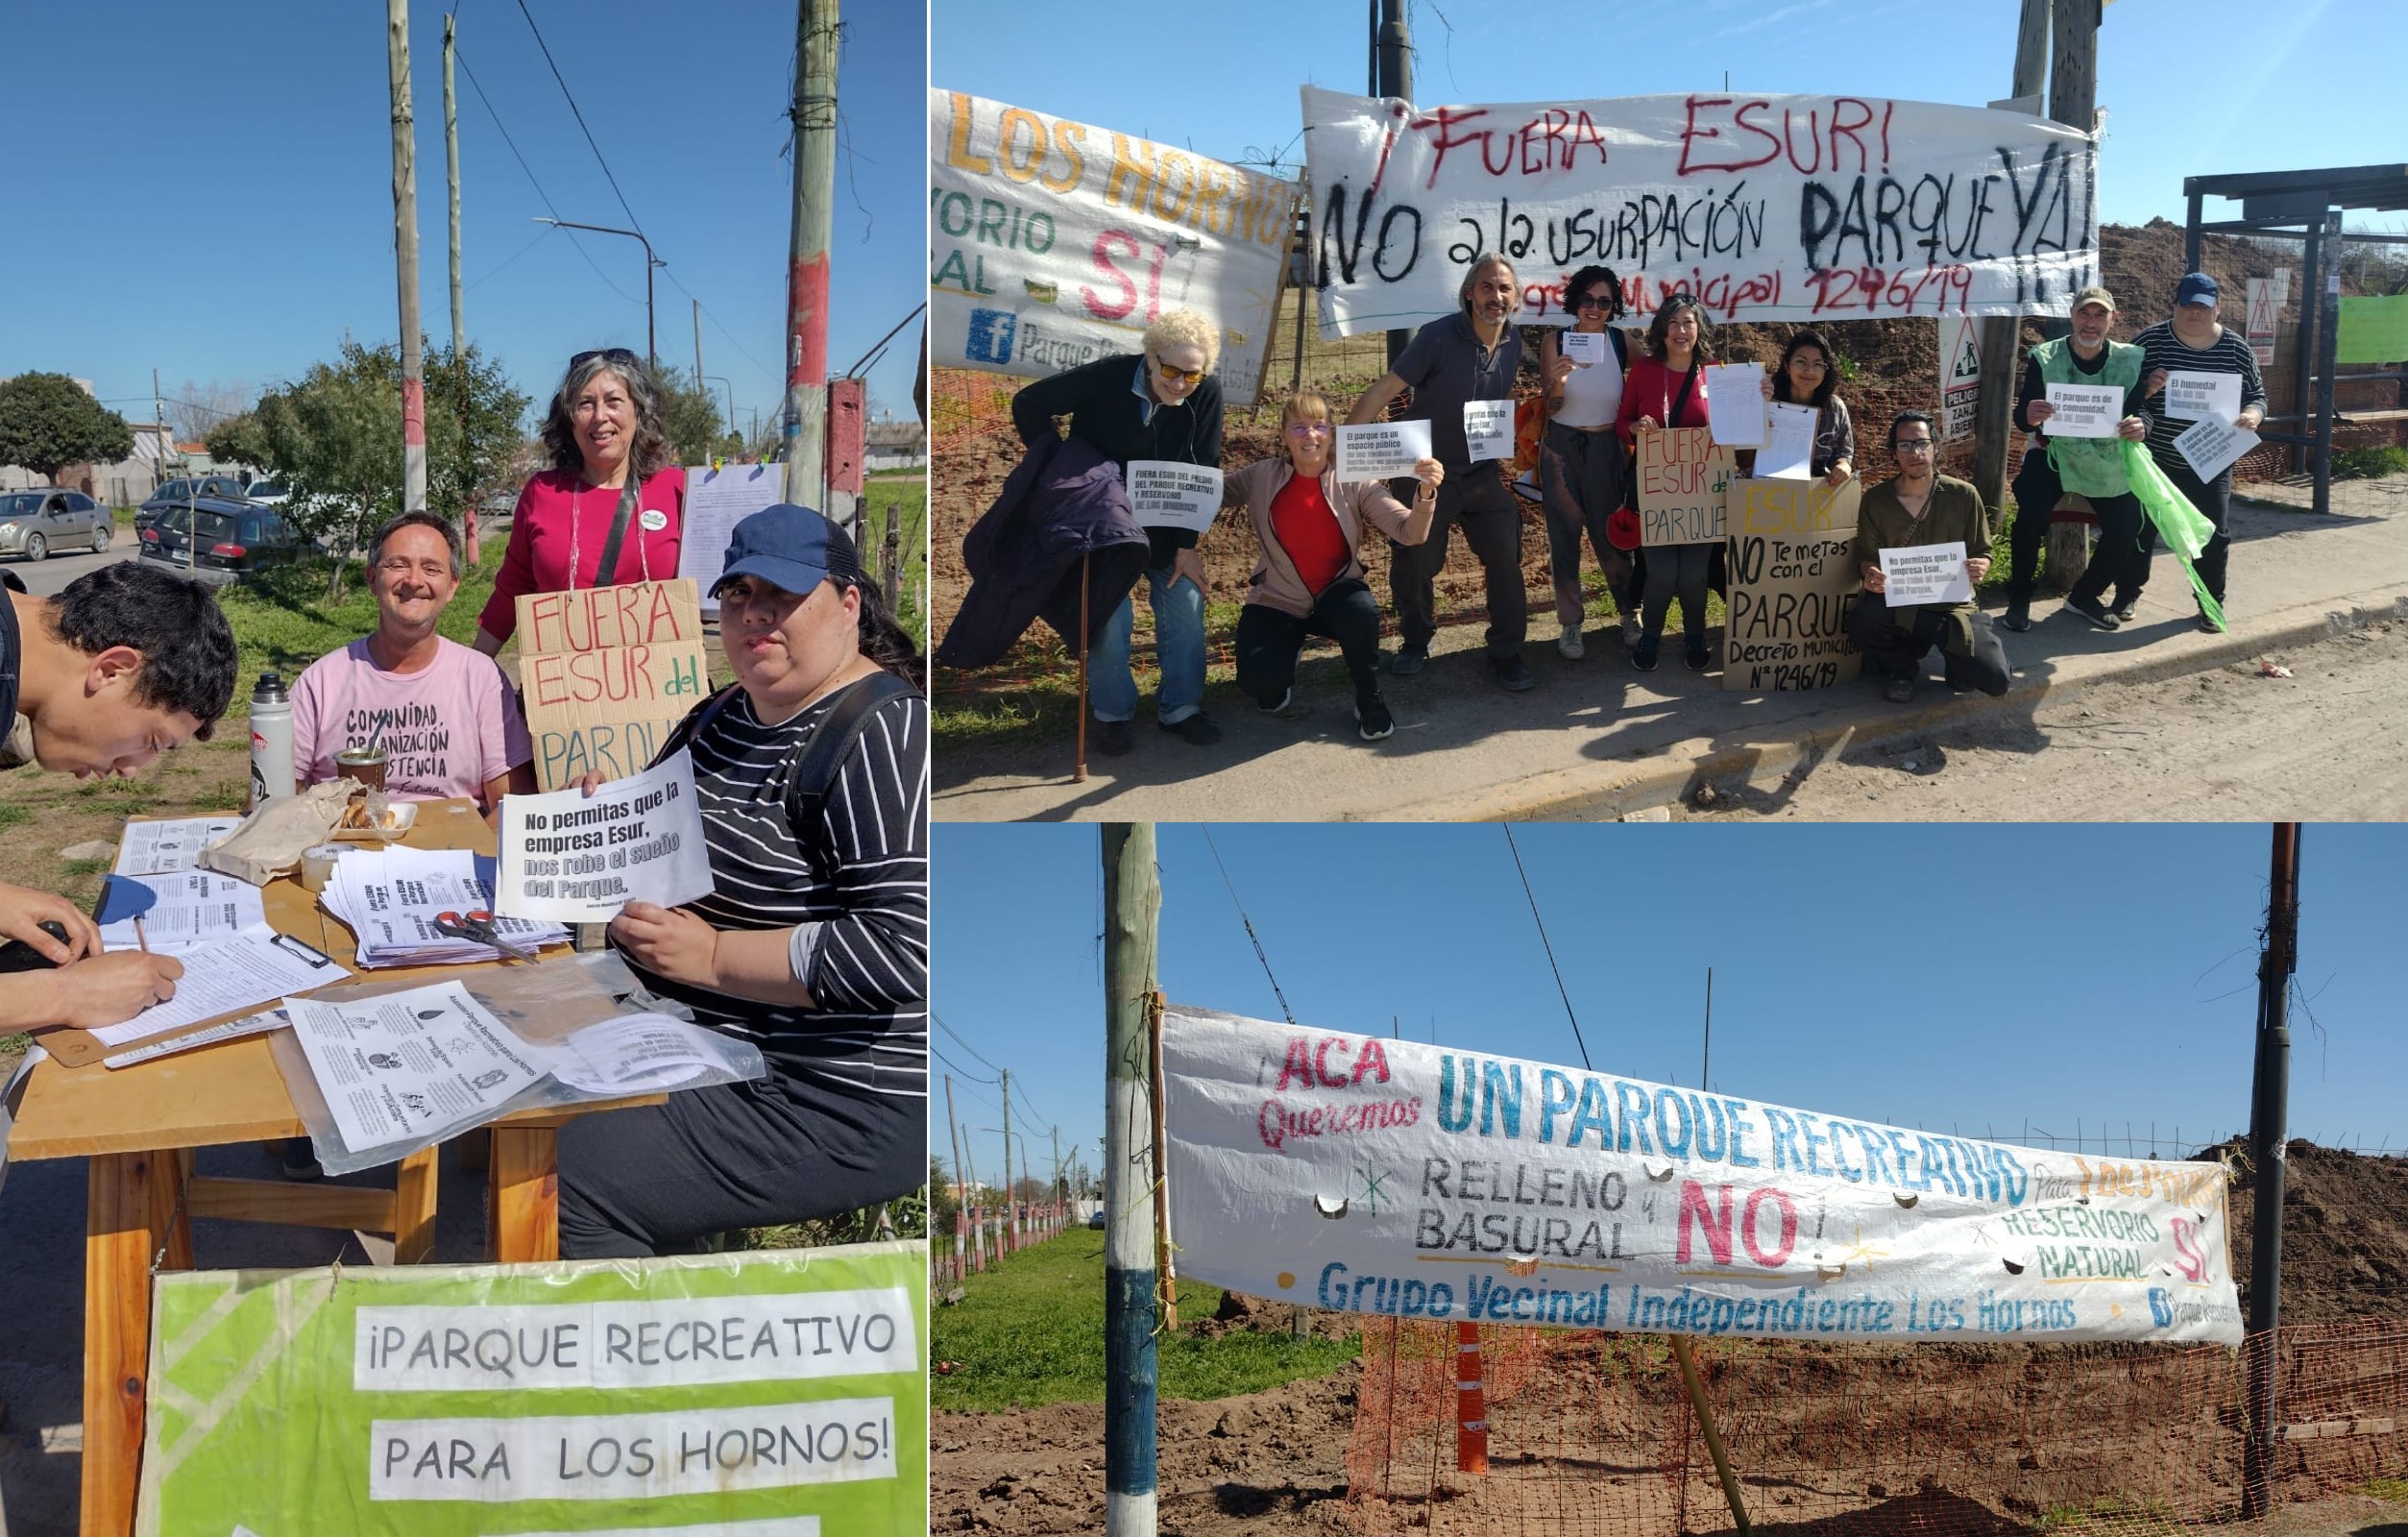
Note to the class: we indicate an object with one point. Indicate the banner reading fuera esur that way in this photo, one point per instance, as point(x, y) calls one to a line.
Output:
point(773, 1392)
point(1767, 207)
point(1053, 243)
point(1365, 1175)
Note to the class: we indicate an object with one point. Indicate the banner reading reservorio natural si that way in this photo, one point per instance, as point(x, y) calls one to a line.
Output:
point(1365, 1175)
point(1053, 243)
point(1767, 207)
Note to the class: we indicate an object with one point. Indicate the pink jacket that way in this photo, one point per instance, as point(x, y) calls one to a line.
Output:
point(1275, 583)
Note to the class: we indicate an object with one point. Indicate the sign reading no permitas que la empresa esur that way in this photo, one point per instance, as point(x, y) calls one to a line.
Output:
point(1365, 1175)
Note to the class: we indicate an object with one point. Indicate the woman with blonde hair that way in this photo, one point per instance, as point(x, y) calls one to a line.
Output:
point(1308, 579)
point(1158, 403)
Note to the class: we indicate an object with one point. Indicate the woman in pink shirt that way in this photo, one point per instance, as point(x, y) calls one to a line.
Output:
point(610, 457)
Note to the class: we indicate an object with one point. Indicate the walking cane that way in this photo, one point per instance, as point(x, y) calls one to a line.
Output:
point(1078, 769)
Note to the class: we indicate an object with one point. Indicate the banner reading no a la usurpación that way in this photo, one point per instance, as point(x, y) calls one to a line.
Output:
point(1365, 1175)
point(1053, 243)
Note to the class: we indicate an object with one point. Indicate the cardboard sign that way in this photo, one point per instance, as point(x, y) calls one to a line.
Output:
point(1735, 404)
point(1926, 573)
point(1361, 1175)
point(1792, 585)
point(2083, 410)
point(2190, 397)
point(2265, 306)
point(1684, 481)
point(1164, 494)
point(1488, 429)
point(773, 1392)
point(1382, 450)
point(606, 673)
point(1960, 377)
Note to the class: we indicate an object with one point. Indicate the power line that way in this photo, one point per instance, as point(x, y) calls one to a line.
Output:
point(960, 1041)
point(1250, 927)
point(578, 115)
point(545, 196)
point(940, 1054)
point(1550, 949)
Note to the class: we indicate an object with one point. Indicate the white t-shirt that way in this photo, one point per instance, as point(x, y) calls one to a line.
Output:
point(1592, 396)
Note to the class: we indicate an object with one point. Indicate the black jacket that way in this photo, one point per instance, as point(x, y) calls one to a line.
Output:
point(1064, 501)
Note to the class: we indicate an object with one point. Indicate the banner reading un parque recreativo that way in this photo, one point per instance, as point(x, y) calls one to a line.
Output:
point(1364, 1174)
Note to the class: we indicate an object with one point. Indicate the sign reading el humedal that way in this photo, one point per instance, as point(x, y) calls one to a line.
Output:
point(768, 1393)
point(606, 673)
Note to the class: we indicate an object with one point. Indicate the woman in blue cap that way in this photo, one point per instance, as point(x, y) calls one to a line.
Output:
point(812, 772)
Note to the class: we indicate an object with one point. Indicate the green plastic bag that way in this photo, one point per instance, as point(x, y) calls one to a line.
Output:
point(2184, 529)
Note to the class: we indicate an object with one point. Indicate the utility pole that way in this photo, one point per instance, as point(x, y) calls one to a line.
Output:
point(961, 1185)
point(1704, 1063)
point(1012, 1197)
point(1132, 902)
point(813, 116)
point(459, 309)
point(1994, 426)
point(396, 47)
point(1393, 47)
point(2269, 1094)
point(698, 384)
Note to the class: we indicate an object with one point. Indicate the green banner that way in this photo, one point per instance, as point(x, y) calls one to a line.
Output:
point(2373, 330)
point(771, 1394)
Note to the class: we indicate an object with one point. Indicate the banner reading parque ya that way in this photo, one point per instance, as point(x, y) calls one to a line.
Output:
point(1767, 207)
point(1365, 1175)
point(1053, 243)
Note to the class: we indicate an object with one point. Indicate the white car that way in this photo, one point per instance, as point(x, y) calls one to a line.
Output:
point(267, 493)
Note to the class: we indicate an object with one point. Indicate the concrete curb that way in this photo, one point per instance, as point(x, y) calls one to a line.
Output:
point(1600, 791)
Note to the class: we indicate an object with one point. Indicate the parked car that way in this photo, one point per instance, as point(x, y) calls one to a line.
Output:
point(234, 538)
point(182, 492)
point(265, 493)
point(34, 523)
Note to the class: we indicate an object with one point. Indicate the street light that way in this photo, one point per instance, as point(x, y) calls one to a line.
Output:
point(708, 380)
point(651, 354)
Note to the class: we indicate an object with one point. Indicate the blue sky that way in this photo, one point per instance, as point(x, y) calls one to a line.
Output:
point(2200, 87)
point(1975, 978)
point(208, 192)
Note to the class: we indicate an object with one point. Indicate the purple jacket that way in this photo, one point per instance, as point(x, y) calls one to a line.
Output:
point(1064, 501)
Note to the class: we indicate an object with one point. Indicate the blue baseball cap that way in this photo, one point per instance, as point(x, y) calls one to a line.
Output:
point(789, 546)
point(2195, 288)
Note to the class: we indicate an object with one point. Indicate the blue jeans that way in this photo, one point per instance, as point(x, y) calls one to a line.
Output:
point(1179, 645)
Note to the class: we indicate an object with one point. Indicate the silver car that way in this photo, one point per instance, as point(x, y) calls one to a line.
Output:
point(34, 523)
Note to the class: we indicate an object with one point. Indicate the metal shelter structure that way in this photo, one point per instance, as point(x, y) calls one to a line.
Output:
point(2306, 205)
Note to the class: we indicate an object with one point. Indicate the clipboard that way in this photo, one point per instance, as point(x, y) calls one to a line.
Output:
point(81, 1048)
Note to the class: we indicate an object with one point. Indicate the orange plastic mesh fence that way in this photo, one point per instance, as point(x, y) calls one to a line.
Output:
point(1591, 1433)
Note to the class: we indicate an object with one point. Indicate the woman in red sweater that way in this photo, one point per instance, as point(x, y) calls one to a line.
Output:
point(1664, 389)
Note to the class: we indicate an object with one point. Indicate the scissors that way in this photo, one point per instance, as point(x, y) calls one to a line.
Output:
point(477, 927)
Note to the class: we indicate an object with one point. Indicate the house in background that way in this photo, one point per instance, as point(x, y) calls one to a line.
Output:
point(156, 456)
point(892, 445)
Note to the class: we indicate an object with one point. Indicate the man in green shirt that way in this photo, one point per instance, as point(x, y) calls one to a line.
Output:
point(1917, 507)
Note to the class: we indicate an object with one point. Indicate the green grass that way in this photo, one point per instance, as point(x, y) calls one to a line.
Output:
point(2369, 464)
point(13, 815)
point(1030, 1332)
point(2395, 1490)
point(902, 499)
point(282, 620)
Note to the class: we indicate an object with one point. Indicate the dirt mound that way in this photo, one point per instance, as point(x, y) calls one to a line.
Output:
point(2344, 1232)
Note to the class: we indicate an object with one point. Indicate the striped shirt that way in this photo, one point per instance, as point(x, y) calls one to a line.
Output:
point(2160, 349)
point(863, 932)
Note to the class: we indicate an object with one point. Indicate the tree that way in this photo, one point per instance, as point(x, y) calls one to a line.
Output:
point(691, 415)
point(942, 1197)
point(48, 422)
point(197, 408)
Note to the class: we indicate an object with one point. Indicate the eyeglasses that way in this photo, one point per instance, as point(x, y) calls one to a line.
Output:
point(1306, 429)
point(1596, 300)
point(1811, 365)
point(1193, 376)
point(608, 354)
point(1913, 445)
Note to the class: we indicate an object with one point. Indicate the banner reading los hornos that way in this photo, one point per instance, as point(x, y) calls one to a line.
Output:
point(1373, 1175)
point(1765, 207)
point(1052, 243)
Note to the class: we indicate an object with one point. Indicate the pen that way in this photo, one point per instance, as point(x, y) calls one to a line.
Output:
point(141, 939)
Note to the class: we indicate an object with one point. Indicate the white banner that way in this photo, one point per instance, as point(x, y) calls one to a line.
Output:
point(1767, 207)
point(1052, 243)
point(1363, 1175)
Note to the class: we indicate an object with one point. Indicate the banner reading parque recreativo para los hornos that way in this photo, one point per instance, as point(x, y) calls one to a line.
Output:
point(1053, 243)
point(1767, 207)
point(1363, 1175)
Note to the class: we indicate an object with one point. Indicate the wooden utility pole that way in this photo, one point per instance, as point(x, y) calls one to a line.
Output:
point(2270, 1095)
point(1994, 426)
point(698, 384)
point(459, 309)
point(960, 1184)
point(1012, 1197)
point(397, 41)
point(813, 116)
point(1132, 902)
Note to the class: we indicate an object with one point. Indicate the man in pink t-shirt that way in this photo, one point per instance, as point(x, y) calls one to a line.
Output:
point(446, 716)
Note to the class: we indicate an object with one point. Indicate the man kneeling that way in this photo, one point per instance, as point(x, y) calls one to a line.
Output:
point(445, 714)
point(1921, 507)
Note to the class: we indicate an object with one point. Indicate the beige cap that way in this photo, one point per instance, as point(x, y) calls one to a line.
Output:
point(2094, 295)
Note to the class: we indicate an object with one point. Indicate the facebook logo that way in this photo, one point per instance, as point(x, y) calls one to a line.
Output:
point(990, 340)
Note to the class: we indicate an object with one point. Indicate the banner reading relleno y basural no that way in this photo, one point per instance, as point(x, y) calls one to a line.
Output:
point(1364, 1174)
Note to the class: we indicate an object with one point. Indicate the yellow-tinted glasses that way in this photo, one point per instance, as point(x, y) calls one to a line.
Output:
point(1193, 376)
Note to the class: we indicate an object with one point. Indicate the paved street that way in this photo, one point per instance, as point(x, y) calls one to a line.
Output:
point(43, 578)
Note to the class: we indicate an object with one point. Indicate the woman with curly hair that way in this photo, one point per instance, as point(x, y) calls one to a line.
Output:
point(612, 508)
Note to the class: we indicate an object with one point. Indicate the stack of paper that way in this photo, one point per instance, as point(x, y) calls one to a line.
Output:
point(390, 898)
point(164, 847)
point(178, 913)
point(421, 1064)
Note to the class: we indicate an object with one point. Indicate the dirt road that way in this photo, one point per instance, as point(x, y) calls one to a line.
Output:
point(2230, 744)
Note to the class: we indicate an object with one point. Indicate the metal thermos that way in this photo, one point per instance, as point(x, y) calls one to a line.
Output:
point(271, 741)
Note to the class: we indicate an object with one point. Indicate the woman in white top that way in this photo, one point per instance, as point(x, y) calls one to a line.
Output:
point(1582, 468)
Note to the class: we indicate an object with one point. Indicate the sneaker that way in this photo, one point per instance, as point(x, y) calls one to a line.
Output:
point(2018, 616)
point(1695, 654)
point(2125, 610)
point(1630, 631)
point(1275, 706)
point(1374, 719)
point(2208, 626)
point(1899, 691)
point(1411, 659)
point(1112, 738)
point(1513, 674)
point(2091, 609)
point(1642, 656)
point(1568, 643)
point(1197, 729)
point(301, 1160)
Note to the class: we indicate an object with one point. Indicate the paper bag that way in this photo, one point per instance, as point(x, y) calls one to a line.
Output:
point(270, 840)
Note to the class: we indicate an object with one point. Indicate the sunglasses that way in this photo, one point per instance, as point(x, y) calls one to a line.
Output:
point(1596, 300)
point(1193, 376)
point(608, 354)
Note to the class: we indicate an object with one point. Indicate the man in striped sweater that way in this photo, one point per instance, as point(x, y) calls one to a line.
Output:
point(2193, 342)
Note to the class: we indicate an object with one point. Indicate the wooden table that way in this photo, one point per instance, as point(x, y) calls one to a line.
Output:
point(141, 1124)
